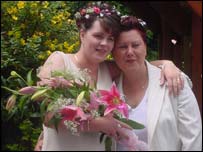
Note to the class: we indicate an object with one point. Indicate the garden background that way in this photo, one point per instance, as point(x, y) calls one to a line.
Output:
point(30, 32)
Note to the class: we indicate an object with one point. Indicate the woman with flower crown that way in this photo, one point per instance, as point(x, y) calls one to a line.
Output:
point(99, 25)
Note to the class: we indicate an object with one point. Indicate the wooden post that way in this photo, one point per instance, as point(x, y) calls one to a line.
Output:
point(197, 58)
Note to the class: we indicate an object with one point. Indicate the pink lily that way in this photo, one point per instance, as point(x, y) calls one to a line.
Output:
point(94, 101)
point(72, 113)
point(113, 101)
point(28, 90)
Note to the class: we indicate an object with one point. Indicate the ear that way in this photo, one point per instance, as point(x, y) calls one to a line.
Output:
point(82, 34)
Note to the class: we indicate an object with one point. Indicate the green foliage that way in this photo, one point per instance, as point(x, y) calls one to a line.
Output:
point(30, 32)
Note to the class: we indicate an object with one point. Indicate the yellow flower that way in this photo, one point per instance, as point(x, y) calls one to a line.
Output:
point(52, 47)
point(48, 52)
point(45, 4)
point(17, 34)
point(14, 17)
point(71, 48)
point(22, 41)
point(47, 42)
point(66, 45)
point(69, 21)
point(41, 56)
point(109, 57)
point(33, 4)
point(41, 16)
point(55, 41)
point(10, 33)
point(12, 10)
point(21, 4)
point(60, 47)
point(53, 21)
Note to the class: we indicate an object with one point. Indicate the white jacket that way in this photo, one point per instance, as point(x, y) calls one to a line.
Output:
point(173, 123)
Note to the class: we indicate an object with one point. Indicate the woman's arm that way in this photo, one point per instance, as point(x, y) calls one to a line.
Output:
point(53, 63)
point(189, 120)
point(170, 73)
point(38, 146)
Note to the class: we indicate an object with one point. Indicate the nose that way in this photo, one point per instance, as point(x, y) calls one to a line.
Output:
point(104, 42)
point(129, 51)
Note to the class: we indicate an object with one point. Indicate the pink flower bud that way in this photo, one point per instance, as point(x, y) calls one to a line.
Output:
point(27, 90)
point(11, 102)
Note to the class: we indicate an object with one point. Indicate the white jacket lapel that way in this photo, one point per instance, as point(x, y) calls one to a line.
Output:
point(155, 99)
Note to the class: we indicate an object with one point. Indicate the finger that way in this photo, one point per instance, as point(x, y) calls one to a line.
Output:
point(169, 85)
point(181, 81)
point(178, 86)
point(162, 78)
point(174, 87)
point(122, 133)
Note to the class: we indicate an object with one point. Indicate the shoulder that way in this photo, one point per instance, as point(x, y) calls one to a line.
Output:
point(153, 71)
point(54, 62)
point(113, 69)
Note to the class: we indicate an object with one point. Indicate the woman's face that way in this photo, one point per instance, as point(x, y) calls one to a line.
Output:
point(96, 42)
point(130, 50)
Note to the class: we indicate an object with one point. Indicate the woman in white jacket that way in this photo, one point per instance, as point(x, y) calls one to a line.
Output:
point(171, 122)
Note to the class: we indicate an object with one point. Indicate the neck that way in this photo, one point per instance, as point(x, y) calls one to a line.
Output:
point(136, 79)
point(83, 63)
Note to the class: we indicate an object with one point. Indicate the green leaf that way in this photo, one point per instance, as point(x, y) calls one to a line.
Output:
point(133, 124)
point(43, 106)
point(55, 121)
point(29, 78)
point(22, 102)
point(38, 94)
point(13, 91)
point(35, 115)
point(15, 74)
point(108, 143)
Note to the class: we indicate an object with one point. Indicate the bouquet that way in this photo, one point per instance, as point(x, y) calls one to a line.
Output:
point(70, 98)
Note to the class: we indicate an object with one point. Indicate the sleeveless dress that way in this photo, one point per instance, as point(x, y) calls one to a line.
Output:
point(63, 140)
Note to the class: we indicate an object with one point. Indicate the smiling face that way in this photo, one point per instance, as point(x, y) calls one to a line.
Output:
point(130, 50)
point(96, 43)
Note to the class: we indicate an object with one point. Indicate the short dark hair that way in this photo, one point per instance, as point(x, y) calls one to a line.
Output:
point(131, 22)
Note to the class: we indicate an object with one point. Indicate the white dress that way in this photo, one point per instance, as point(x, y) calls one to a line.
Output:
point(63, 140)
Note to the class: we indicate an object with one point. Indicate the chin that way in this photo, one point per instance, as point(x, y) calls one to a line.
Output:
point(101, 58)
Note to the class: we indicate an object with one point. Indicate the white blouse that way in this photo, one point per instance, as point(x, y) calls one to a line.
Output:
point(138, 114)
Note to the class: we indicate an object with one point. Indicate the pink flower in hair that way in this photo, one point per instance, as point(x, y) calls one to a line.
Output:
point(83, 11)
point(96, 10)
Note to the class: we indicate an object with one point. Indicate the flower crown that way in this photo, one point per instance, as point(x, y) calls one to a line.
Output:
point(141, 22)
point(97, 9)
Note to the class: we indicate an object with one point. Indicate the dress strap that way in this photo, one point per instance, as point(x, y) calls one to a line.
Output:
point(104, 77)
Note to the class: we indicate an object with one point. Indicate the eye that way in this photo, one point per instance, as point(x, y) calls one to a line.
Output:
point(111, 38)
point(122, 46)
point(135, 45)
point(98, 36)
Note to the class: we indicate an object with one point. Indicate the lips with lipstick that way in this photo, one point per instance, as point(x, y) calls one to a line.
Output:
point(130, 60)
point(101, 50)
